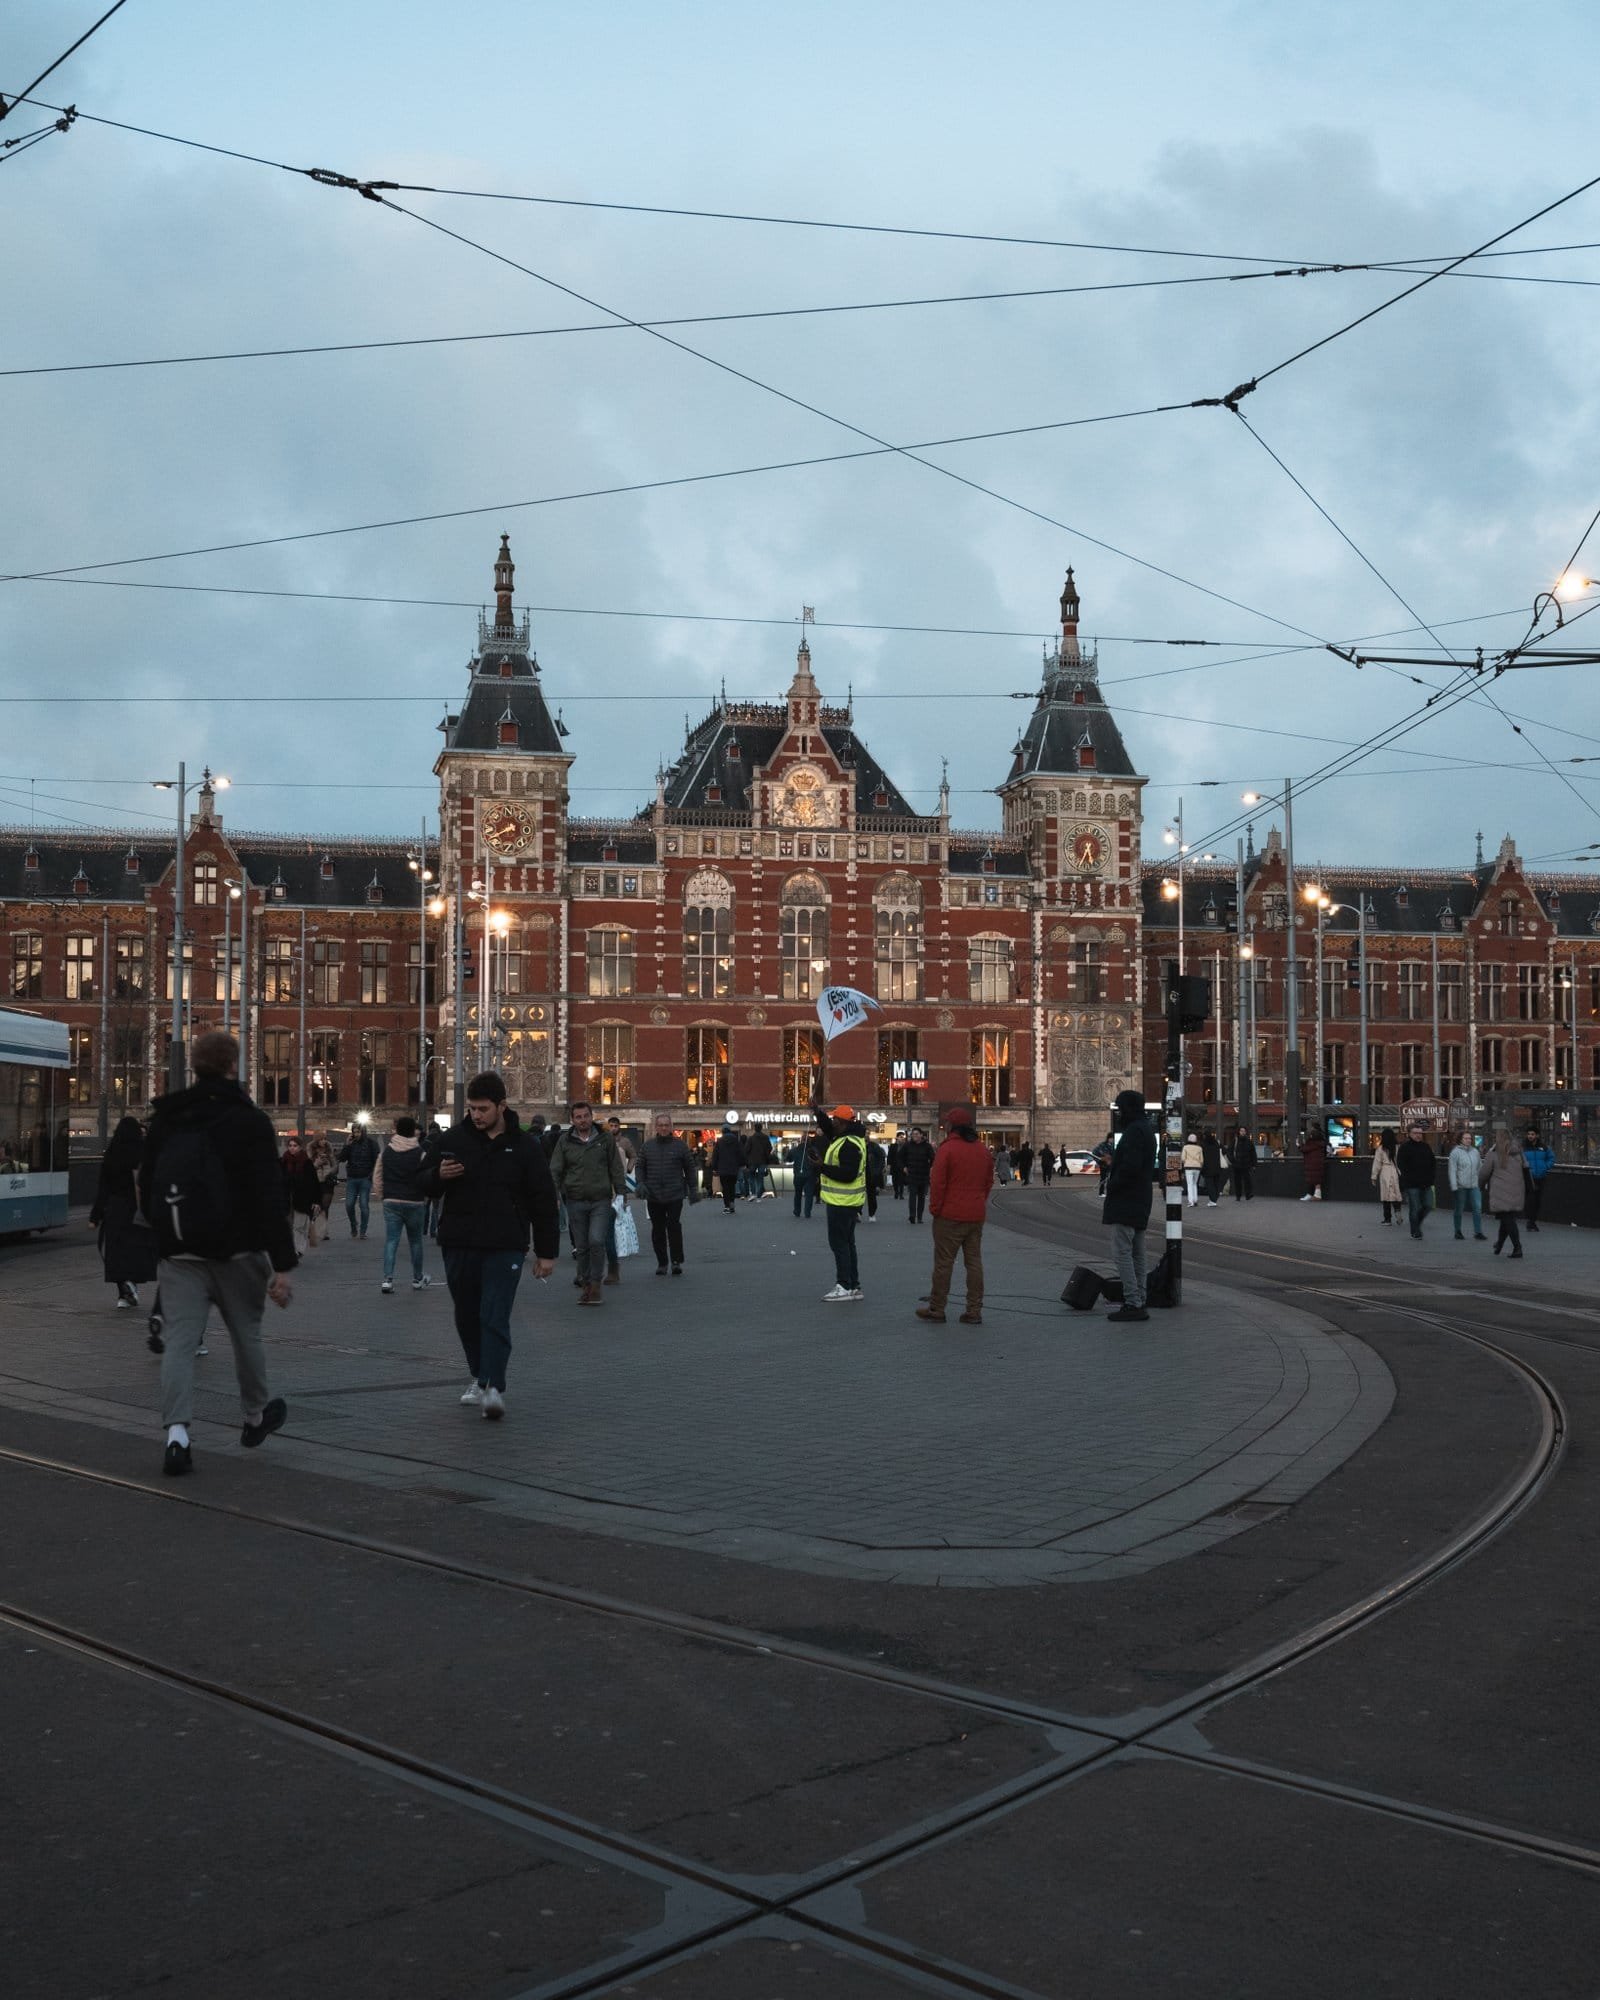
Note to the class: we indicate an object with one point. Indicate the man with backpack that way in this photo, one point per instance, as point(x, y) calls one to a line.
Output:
point(358, 1156)
point(212, 1191)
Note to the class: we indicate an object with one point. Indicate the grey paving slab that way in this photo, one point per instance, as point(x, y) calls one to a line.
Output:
point(734, 1409)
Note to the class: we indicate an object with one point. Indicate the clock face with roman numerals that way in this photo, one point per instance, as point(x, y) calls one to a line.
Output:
point(508, 829)
point(1089, 850)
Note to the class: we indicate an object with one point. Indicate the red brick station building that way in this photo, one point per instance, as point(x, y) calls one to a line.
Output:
point(673, 960)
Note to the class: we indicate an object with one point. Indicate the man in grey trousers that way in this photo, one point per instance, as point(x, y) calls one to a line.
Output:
point(212, 1191)
point(1129, 1192)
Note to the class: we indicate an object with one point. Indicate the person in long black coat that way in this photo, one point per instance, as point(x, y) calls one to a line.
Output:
point(127, 1247)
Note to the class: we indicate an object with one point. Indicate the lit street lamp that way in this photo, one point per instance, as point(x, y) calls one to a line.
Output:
point(418, 863)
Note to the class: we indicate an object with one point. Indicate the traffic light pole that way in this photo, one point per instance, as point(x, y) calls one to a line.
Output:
point(1172, 1175)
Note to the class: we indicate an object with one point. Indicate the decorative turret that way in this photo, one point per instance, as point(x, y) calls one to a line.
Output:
point(804, 693)
point(505, 571)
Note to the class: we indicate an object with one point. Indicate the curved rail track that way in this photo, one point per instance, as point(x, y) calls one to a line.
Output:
point(741, 1908)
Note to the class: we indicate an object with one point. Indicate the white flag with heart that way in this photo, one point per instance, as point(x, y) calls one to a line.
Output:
point(841, 1008)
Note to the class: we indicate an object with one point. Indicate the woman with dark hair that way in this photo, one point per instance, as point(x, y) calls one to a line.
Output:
point(127, 1248)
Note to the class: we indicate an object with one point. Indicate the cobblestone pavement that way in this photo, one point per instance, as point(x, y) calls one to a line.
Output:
point(731, 1411)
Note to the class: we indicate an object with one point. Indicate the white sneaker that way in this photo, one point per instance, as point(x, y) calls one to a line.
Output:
point(422, 1284)
point(1305, 1197)
point(123, 1305)
point(202, 1349)
point(832, 1298)
point(494, 1404)
point(475, 1394)
point(856, 1294)
point(387, 1285)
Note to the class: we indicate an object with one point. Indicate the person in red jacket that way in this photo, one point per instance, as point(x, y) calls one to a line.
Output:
point(958, 1197)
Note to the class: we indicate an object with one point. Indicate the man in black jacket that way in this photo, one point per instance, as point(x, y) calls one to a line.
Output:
point(916, 1164)
point(727, 1163)
point(494, 1182)
point(1242, 1158)
point(665, 1173)
point(1418, 1164)
point(212, 1191)
point(358, 1156)
point(1130, 1190)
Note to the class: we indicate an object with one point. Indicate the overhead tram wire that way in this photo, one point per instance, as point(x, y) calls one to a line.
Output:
point(827, 416)
point(22, 95)
point(727, 318)
point(687, 319)
point(1234, 396)
point(820, 224)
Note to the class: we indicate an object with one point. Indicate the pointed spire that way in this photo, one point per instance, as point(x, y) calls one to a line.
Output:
point(944, 787)
point(1480, 847)
point(505, 571)
point(803, 687)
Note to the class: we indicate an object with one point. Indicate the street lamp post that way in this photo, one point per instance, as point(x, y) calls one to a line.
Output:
point(424, 875)
point(230, 895)
point(302, 982)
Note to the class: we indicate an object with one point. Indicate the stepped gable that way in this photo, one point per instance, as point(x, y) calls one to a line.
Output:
point(735, 743)
point(505, 708)
point(1070, 729)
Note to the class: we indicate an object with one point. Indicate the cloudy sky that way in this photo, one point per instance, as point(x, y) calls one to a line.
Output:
point(1453, 440)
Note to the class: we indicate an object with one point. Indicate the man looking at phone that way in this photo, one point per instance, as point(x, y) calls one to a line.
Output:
point(494, 1186)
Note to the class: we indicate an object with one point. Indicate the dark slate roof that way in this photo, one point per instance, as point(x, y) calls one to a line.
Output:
point(1396, 902)
point(1058, 724)
point(589, 844)
point(966, 857)
point(706, 761)
point(477, 727)
point(267, 858)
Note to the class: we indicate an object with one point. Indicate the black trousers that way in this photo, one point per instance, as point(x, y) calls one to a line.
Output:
point(666, 1229)
point(1534, 1191)
point(917, 1195)
point(1244, 1183)
point(730, 1190)
point(1508, 1230)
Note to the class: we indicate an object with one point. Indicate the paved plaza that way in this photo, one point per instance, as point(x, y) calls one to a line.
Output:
point(733, 1411)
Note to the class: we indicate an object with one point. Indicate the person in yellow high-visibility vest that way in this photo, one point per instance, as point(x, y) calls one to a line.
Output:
point(844, 1193)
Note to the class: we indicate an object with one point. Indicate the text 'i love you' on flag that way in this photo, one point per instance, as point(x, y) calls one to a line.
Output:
point(841, 1008)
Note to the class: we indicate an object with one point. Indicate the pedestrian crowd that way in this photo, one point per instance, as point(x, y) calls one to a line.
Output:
point(203, 1205)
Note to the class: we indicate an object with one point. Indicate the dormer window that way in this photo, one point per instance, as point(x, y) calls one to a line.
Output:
point(713, 795)
point(327, 868)
point(30, 861)
point(880, 798)
point(505, 670)
point(1402, 897)
point(506, 730)
point(130, 863)
point(1555, 906)
point(608, 853)
point(734, 752)
point(1447, 918)
point(80, 882)
point(1077, 697)
point(987, 864)
point(1594, 918)
point(279, 888)
point(1085, 752)
point(1209, 913)
point(374, 889)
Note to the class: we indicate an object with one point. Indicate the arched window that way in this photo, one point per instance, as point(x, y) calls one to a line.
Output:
point(897, 938)
point(706, 1065)
point(611, 961)
point(989, 1074)
point(609, 1070)
point(989, 970)
point(708, 936)
point(803, 936)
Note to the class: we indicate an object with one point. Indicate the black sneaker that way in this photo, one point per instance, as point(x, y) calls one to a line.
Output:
point(153, 1338)
point(272, 1419)
point(677, 1270)
point(178, 1460)
point(1128, 1313)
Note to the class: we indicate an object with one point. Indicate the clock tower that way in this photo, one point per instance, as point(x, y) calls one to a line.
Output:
point(1072, 795)
point(502, 858)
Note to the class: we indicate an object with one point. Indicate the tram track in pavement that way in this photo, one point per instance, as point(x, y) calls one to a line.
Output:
point(749, 1907)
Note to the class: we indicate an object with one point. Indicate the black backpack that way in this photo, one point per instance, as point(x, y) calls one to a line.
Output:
point(190, 1206)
